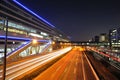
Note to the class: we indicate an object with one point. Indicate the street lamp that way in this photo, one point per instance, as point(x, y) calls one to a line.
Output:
point(53, 42)
point(34, 41)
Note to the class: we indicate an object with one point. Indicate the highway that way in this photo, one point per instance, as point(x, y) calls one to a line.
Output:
point(22, 68)
point(73, 66)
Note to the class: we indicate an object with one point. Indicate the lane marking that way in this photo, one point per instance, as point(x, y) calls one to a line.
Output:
point(75, 70)
point(58, 68)
point(83, 70)
point(95, 74)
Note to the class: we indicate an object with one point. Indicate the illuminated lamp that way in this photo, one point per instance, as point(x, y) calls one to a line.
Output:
point(34, 41)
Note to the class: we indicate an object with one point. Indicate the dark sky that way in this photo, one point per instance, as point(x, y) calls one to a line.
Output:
point(80, 19)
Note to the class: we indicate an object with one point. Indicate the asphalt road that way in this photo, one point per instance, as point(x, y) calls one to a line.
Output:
point(73, 66)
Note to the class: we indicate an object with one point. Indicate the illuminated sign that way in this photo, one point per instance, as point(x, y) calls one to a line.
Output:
point(16, 31)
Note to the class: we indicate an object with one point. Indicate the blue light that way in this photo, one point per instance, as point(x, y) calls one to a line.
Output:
point(21, 39)
point(33, 13)
point(15, 38)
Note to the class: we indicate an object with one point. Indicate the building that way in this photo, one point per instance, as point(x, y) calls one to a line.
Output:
point(103, 37)
point(22, 22)
point(96, 39)
point(114, 37)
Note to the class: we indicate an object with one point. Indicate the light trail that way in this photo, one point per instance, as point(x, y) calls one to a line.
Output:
point(83, 69)
point(22, 68)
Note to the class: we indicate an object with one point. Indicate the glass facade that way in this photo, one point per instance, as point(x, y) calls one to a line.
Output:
point(1, 24)
point(21, 29)
point(14, 25)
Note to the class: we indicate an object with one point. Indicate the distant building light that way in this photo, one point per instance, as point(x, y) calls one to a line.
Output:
point(113, 43)
point(114, 30)
point(90, 40)
point(60, 35)
point(87, 43)
point(33, 13)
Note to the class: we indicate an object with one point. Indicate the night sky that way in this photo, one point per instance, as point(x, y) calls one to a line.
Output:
point(79, 19)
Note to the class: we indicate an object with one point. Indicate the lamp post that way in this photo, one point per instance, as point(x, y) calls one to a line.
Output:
point(5, 51)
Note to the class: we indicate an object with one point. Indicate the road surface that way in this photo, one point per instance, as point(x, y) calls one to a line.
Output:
point(73, 66)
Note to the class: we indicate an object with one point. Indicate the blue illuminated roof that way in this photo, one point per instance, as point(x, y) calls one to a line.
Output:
point(33, 13)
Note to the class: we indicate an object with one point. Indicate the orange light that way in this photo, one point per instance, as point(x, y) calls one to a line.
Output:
point(53, 42)
point(81, 49)
point(34, 41)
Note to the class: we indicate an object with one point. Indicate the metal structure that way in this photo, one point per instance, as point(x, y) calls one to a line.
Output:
point(25, 23)
point(19, 24)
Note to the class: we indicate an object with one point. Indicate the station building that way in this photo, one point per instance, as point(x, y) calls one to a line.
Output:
point(22, 22)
